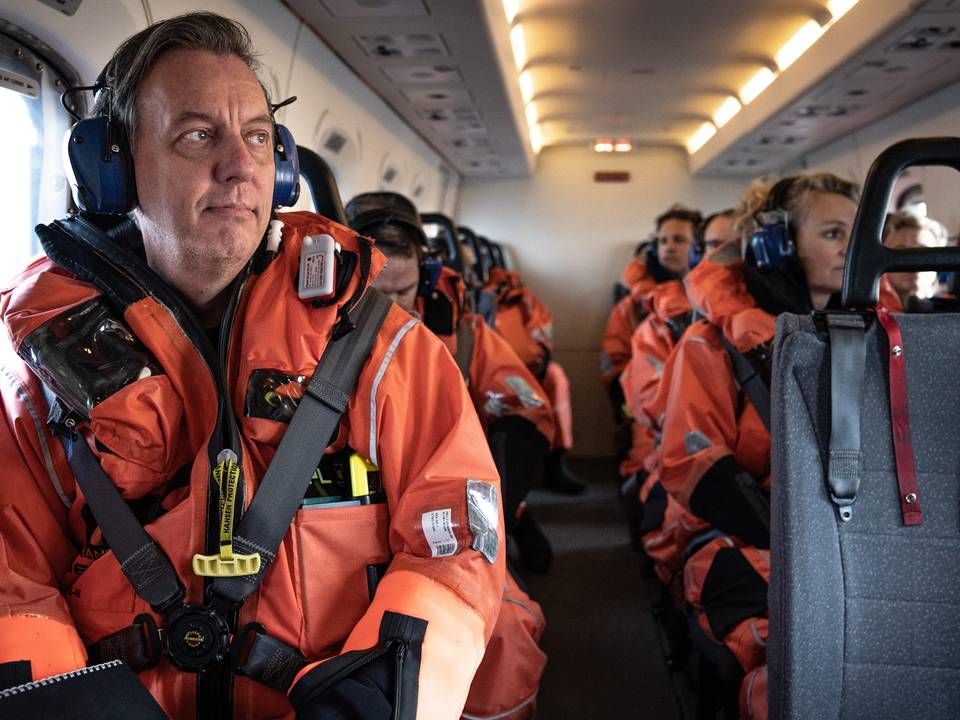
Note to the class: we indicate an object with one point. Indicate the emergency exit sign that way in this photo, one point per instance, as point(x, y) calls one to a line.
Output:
point(611, 176)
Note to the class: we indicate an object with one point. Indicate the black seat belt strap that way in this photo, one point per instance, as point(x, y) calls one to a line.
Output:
point(143, 561)
point(848, 351)
point(749, 379)
point(464, 354)
point(281, 491)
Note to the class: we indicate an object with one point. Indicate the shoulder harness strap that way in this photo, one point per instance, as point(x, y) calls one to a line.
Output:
point(464, 354)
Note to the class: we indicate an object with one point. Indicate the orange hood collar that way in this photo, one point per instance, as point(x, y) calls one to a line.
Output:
point(720, 293)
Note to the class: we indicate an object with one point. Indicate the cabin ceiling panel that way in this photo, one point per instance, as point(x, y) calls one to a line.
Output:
point(437, 65)
point(649, 72)
point(915, 55)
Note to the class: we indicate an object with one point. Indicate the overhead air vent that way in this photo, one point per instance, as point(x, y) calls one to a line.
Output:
point(389, 175)
point(925, 38)
point(423, 74)
point(335, 142)
point(826, 111)
point(418, 191)
point(438, 97)
point(416, 45)
point(445, 114)
point(374, 8)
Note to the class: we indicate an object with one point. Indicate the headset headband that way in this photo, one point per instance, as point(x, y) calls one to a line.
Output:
point(777, 195)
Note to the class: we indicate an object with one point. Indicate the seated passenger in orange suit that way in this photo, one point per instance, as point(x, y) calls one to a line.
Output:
point(513, 410)
point(526, 323)
point(658, 523)
point(179, 354)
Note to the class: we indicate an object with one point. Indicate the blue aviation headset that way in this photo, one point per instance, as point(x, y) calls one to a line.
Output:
point(772, 242)
point(99, 163)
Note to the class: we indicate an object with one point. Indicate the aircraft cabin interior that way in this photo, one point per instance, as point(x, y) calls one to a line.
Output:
point(695, 267)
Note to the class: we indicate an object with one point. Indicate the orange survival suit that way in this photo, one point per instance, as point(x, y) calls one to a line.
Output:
point(156, 438)
point(506, 684)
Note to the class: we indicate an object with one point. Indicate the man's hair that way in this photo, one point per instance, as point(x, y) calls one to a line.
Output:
point(684, 214)
point(395, 240)
point(124, 72)
point(727, 213)
point(901, 221)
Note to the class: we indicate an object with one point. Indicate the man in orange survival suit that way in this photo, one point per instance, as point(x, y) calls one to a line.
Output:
point(667, 258)
point(389, 598)
point(514, 412)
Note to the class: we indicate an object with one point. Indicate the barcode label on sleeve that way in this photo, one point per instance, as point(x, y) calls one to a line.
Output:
point(438, 531)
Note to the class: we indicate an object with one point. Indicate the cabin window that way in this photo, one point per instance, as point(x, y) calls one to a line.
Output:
point(33, 187)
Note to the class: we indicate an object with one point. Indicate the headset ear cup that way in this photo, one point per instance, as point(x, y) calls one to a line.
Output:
point(430, 269)
point(100, 168)
point(696, 253)
point(286, 183)
point(771, 245)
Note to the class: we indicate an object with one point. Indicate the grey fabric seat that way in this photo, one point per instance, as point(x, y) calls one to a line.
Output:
point(865, 613)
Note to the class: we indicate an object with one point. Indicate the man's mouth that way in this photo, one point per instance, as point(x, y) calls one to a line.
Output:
point(231, 210)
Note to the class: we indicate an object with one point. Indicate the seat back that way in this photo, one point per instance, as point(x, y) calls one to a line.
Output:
point(865, 614)
point(865, 611)
point(322, 185)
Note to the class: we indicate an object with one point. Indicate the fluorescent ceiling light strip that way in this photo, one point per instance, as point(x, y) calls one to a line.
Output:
point(700, 137)
point(536, 139)
point(510, 9)
point(519, 44)
point(730, 107)
point(622, 146)
point(756, 85)
point(526, 86)
point(796, 46)
point(603, 146)
point(532, 115)
point(839, 8)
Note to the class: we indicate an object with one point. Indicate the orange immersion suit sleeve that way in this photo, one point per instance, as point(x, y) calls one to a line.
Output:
point(500, 384)
point(35, 549)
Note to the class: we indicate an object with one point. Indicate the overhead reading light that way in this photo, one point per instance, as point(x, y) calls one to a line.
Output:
point(536, 139)
point(730, 107)
point(603, 146)
point(839, 8)
point(798, 44)
point(622, 146)
point(526, 86)
point(510, 9)
point(756, 85)
point(697, 140)
point(519, 44)
point(531, 113)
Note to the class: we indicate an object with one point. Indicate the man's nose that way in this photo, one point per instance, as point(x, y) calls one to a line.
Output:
point(235, 163)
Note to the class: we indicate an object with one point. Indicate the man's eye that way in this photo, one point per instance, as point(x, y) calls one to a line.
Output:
point(260, 138)
point(197, 135)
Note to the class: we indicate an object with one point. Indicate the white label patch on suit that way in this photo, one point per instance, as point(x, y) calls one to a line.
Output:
point(438, 531)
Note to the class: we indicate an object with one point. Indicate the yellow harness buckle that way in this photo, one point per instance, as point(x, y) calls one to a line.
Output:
point(227, 564)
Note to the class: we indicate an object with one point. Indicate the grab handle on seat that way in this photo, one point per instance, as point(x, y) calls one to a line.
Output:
point(867, 258)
